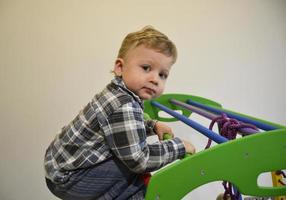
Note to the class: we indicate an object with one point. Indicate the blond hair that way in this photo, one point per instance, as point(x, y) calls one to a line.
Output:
point(151, 38)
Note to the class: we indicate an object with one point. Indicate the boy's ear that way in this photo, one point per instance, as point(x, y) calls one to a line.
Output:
point(118, 66)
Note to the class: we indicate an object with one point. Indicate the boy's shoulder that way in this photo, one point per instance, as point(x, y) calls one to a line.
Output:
point(110, 100)
point(117, 95)
point(114, 96)
point(114, 93)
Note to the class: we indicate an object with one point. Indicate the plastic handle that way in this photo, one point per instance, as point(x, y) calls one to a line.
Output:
point(167, 136)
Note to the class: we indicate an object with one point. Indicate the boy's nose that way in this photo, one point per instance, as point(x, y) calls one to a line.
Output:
point(154, 78)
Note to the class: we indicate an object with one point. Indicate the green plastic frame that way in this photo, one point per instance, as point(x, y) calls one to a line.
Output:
point(239, 161)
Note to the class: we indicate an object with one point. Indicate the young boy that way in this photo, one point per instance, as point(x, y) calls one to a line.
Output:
point(103, 152)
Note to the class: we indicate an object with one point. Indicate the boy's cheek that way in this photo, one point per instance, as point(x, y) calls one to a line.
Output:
point(161, 90)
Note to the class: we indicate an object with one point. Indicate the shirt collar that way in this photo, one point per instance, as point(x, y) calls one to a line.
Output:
point(119, 82)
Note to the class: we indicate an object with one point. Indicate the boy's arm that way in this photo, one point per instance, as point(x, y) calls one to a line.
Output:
point(126, 136)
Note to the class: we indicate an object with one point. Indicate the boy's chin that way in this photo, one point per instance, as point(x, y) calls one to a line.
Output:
point(147, 97)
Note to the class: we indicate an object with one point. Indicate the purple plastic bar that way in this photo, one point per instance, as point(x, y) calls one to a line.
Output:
point(208, 115)
point(199, 111)
point(258, 124)
point(210, 134)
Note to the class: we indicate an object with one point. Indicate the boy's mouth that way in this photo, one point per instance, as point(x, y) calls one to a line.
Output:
point(150, 91)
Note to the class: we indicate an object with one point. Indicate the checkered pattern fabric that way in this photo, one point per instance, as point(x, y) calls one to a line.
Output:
point(111, 124)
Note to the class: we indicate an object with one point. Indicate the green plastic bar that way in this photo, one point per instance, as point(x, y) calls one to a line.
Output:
point(167, 136)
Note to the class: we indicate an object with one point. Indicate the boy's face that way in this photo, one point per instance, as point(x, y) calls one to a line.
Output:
point(144, 71)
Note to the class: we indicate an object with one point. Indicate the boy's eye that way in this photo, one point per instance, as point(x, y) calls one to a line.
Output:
point(163, 75)
point(146, 67)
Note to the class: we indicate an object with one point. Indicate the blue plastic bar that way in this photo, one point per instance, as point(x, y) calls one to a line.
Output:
point(210, 134)
point(258, 124)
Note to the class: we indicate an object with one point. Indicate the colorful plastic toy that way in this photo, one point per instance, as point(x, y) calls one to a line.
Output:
point(263, 152)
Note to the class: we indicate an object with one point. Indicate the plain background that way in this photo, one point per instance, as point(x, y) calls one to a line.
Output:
point(56, 54)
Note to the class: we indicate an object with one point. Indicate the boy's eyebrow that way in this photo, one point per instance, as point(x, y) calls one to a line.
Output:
point(146, 60)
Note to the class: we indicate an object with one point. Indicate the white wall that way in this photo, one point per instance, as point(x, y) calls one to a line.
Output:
point(56, 54)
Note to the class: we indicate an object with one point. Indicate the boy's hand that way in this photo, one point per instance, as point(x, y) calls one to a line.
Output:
point(161, 129)
point(190, 148)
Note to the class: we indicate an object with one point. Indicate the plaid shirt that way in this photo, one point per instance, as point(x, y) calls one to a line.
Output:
point(111, 124)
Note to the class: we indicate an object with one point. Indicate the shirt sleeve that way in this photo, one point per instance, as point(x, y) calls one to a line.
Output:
point(126, 136)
